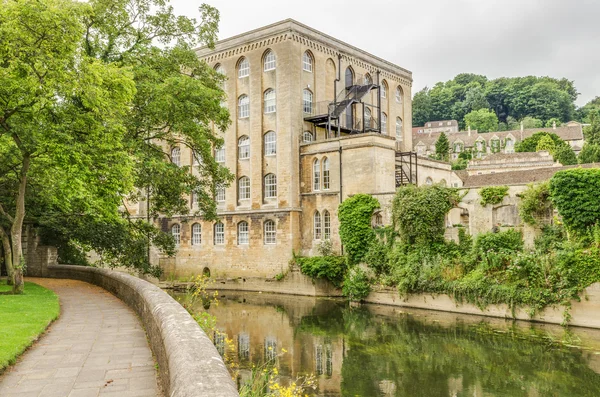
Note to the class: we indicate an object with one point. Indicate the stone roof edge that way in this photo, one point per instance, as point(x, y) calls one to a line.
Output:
point(291, 25)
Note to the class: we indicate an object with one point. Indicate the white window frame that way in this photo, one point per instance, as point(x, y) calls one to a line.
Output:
point(270, 101)
point(399, 129)
point(196, 234)
point(176, 233)
point(219, 234)
point(270, 143)
point(326, 225)
point(399, 94)
point(384, 89)
point(244, 147)
point(220, 154)
point(244, 188)
point(317, 230)
point(243, 233)
point(220, 194)
point(367, 117)
point(195, 200)
point(316, 175)
point(176, 156)
point(243, 68)
point(307, 62)
point(270, 232)
point(307, 101)
point(326, 174)
point(304, 135)
point(270, 62)
point(384, 122)
point(243, 107)
point(270, 181)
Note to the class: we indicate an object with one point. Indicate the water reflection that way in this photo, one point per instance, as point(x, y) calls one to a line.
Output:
point(384, 351)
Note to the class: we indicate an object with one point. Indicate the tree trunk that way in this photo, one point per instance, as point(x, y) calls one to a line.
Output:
point(16, 231)
point(7, 256)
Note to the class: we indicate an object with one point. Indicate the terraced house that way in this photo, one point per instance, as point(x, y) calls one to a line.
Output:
point(315, 120)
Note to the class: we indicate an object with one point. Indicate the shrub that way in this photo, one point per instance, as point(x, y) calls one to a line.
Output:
point(507, 241)
point(465, 240)
point(492, 195)
point(356, 232)
point(357, 285)
point(377, 257)
point(331, 268)
point(551, 238)
point(535, 203)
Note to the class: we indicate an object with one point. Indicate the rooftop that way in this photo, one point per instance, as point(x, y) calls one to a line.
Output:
point(519, 177)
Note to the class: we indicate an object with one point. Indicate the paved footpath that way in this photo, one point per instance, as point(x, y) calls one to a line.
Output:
point(96, 348)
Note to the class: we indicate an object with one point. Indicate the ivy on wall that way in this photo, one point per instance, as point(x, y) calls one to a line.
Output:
point(356, 232)
point(492, 195)
point(535, 204)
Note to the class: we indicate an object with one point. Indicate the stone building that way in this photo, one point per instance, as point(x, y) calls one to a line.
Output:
point(445, 126)
point(314, 120)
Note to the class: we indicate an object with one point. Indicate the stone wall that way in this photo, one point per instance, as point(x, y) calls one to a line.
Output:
point(189, 364)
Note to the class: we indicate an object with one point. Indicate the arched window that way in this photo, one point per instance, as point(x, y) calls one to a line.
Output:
point(244, 188)
point(195, 199)
point(270, 236)
point(176, 233)
point(398, 128)
point(317, 225)
point(326, 225)
point(270, 186)
point(307, 101)
point(368, 79)
point(243, 107)
point(219, 234)
point(384, 89)
point(244, 147)
point(429, 181)
point(307, 62)
point(326, 178)
point(378, 219)
point(270, 101)
point(196, 234)
point(176, 156)
point(384, 123)
point(269, 61)
point(243, 236)
point(307, 136)
point(349, 77)
point(399, 94)
point(367, 118)
point(220, 154)
point(270, 139)
point(243, 68)
point(316, 175)
point(220, 194)
point(219, 69)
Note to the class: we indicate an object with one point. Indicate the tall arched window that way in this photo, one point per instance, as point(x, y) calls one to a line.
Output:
point(269, 61)
point(243, 236)
point(307, 101)
point(196, 234)
point(317, 225)
point(219, 233)
point(243, 107)
point(368, 79)
point(176, 233)
point(367, 118)
point(270, 140)
point(384, 89)
point(399, 94)
point(195, 199)
point(270, 101)
point(307, 62)
point(220, 194)
point(384, 123)
point(243, 68)
point(326, 178)
point(270, 236)
point(219, 69)
point(326, 225)
point(270, 186)
point(244, 188)
point(176, 156)
point(398, 128)
point(316, 175)
point(349, 77)
point(429, 181)
point(244, 147)
point(307, 136)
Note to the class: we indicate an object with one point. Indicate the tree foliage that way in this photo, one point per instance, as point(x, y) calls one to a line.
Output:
point(356, 233)
point(492, 195)
point(482, 120)
point(535, 205)
point(442, 147)
point(561, 151)
point(590, 152)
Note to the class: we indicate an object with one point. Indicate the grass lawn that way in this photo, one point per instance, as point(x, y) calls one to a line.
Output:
point(23, 318)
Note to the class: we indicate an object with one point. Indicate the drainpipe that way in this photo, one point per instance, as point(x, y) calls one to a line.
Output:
point(341, 184)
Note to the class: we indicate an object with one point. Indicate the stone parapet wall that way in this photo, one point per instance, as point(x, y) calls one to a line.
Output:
point(189, 364)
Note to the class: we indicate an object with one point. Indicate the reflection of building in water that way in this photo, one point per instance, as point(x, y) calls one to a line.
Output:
point(270, 348)
point(244, 346)
point(387, 387)
point(323, 360)
point(219, 340)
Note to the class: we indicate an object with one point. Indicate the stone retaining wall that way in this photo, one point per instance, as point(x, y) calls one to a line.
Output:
point(189, 364)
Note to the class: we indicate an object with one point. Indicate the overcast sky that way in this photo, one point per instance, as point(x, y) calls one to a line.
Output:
point(437, 39)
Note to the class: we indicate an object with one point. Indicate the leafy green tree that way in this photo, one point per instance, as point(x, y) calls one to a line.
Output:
point(589, 154)
point(565, 155)
point(582, 114)
point(530, 144)
point(483, 120)
point(552, 122)
point(531, 122)
point(546, 143)
point(442, 147)
point(562, 151)
point(421, 107)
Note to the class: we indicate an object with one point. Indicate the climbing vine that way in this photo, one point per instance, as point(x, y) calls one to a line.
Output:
point(535, 204)
point(492, 195)
point(356, 232)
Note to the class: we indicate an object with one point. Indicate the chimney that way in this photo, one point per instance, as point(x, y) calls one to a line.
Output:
point(554, 125)
point(469, 130)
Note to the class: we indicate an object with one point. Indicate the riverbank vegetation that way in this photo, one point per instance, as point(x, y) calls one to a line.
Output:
point(23, 318)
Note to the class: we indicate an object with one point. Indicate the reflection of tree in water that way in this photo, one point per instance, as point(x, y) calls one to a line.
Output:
point(406, 357)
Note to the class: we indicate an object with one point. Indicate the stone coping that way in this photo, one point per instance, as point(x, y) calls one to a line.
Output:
point(188, 362)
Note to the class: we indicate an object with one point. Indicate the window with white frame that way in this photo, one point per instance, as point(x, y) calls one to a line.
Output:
point(368, 79)
point(244, 188)
point(244, 346)
point(307, 136)
point(384, 123)
point(243, 107)
point(244, 148)
point(195, 199)
point(269, 61)
point(398, 128)
point(269, 101)
point(326, 225)
point(316, 175)
point(384, 89)
point(220, 154)
point(219, 69)
point(367, 117)
point(270, 186)
point(219, 235)
point(307, 62)
point(326, 178)
point(399, 94)
point(317, 225)
point(307, 101)
point(270, 348)
point(220, 194)
point(196, 234)
point(270, 233)
point(176, 233)
point(243, 236)
point(270, 139)
point(176, 156)
point(429, 181)
point(243, 68)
